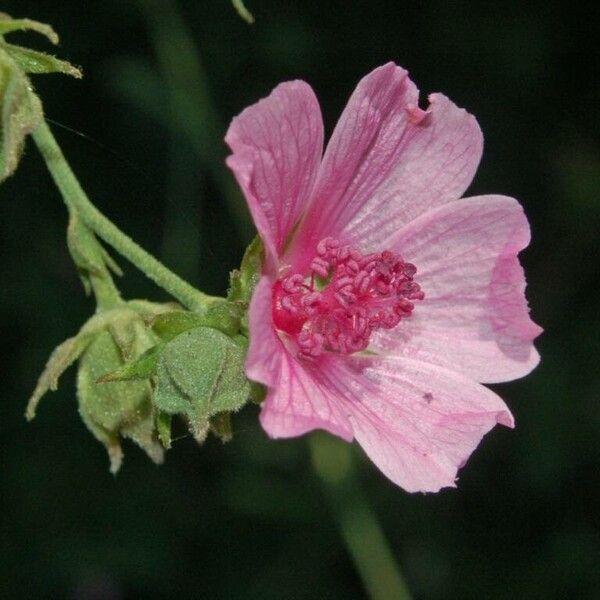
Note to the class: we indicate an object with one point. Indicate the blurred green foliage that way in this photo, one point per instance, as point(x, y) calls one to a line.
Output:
point(249, 519)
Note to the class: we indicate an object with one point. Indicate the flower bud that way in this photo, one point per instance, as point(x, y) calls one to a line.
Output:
point(20, 109)
point(110, 409)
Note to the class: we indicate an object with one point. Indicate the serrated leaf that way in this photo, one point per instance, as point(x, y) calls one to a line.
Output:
point(39, 63)
point(200, 374)
point(20, 113)
point(8, 24)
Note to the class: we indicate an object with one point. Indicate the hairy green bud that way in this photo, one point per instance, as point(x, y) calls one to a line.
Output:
point(111, 409)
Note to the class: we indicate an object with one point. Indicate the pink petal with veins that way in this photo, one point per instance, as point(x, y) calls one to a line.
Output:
point(277, 145)
point(340, 331)
point(474, 317)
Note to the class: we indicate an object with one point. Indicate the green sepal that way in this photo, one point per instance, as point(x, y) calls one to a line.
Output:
point(20, 113)
point(20, 109)
point(168, 326)
point(143, 367)
point(150, 310)
point(242, 281)
point(87, 252)
point(116, 408)
point(163, 427)
point(8, 24)
point(39, 63)
point(131, 334)
point(60, 360)
point(200, 374)
point(222, 315)
point(220, 425)
point(258, 392)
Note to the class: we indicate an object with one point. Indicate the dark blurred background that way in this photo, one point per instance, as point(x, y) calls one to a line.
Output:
point(249, 519)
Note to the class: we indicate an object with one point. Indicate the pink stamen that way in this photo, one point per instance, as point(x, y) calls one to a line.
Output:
point(362, 293)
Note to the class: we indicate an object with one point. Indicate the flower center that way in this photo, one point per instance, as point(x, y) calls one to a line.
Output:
point(344, 298)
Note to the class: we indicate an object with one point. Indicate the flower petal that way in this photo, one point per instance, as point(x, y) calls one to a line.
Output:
point(298, 399)
point(277, 145)
point(303, 399)
point(419, 423)
point(387, 162)
point(263, 360)
point(474, 317)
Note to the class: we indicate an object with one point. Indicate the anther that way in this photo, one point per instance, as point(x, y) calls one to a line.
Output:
point(361, 293)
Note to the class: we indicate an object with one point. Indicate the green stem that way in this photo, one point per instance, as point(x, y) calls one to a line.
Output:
point(76, 199)
point(358, 524)
point(106, 292)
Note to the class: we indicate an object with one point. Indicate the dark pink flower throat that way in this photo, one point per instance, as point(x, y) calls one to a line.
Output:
point(344, 298)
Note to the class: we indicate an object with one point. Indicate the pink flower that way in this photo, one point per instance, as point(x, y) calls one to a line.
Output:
point(386, 299)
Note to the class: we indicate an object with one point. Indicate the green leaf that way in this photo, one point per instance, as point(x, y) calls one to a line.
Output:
point(200, 374)
point(20, 113)
point(38, 63)
point(8, 24)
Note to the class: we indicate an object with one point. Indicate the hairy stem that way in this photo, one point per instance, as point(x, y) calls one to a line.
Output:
point(77, 200)
point(358, 524)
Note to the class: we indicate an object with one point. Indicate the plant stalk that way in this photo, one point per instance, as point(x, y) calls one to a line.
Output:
point(358, 525)
point(76, 199)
